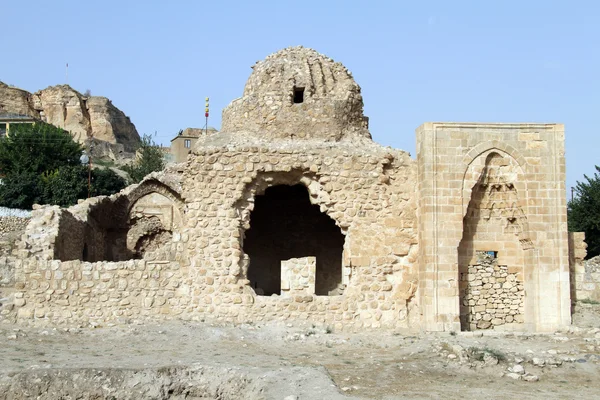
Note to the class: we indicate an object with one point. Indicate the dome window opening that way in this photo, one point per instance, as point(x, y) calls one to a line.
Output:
point(298, 95)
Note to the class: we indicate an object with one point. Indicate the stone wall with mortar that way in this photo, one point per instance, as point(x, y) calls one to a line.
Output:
point(452, 157)
point(585, 274)
point(298, 276)
point(368, 193)
point(176, 245)
point(76, 292)
point(11, 229)
point(331, 108)
point(491, 296)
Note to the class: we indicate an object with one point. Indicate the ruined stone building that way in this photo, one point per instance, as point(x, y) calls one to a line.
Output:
point(292, 213)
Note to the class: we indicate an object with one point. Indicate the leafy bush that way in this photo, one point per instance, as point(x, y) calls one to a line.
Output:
point(150, 159)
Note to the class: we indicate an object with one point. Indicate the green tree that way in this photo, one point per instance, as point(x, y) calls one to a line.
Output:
point(106, 182)
point(37, 148)
point(20, 189)
point(41, 164)
point(65, 185)
point(69, 183)
point(150, 158)
point(584, 212)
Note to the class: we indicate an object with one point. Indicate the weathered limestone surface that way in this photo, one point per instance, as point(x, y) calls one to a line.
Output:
point(15, 100)
point(298, 276)
point(491, 297)
point(292, 213)
point(110, 124)
point(331, 109)
point(585, 274)
point(83, 116)
point(493, 187)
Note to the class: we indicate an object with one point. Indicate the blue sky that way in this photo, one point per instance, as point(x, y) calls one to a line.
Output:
point(416, 61)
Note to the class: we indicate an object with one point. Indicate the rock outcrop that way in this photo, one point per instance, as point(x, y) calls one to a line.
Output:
point(84, 116)
point(14, 100)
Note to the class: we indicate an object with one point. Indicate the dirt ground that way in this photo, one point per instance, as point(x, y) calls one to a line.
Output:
point(291, 362)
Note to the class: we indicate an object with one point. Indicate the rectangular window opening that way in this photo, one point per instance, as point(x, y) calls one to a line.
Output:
point(492, 253)
point(187, 143)
point(298, 95)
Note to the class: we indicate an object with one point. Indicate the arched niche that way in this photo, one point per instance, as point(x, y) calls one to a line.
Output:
point(153, 219)
point(495, 247)
point(125, 227)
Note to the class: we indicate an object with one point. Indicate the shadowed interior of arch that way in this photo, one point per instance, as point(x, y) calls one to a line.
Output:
point(283, 225)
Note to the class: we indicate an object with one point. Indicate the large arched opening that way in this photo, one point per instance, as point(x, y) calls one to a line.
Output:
point(285, 225)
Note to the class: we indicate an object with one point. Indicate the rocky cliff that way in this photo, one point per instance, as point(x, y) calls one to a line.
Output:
point(85, 117)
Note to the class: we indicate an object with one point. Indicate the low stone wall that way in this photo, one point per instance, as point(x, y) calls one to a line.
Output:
point(490, 295)
point(585, 274)
point(72, 293)
point(587, 280)
point(298, 276)
point(76, 291)
point(11, 229)
point(12, 224)
point(7, 271)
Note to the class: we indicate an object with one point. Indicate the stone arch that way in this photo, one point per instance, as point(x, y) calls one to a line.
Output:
point(476, 165)
point(318, 195)
point(318, 199)
point(110, 221)
point(494, 145)
point(495, 247)
point(154, 221)
point(153, 186)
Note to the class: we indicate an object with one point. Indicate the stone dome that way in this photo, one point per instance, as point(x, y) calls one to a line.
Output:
point(298, 93)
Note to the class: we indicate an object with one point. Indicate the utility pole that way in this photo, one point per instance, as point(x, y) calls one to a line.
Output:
point(572, 190)
point(91, 146)
point(67, 74)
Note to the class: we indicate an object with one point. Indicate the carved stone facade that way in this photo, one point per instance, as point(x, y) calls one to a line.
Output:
point(292, 213)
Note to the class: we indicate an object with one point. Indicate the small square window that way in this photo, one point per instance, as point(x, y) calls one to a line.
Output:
point(187, 143)
point(298, 95)
point(492, 253)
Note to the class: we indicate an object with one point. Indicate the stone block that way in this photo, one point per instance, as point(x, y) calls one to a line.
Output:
point(298, 276)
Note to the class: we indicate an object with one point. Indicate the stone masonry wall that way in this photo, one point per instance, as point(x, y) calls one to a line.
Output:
point(588, 282)
point(11, 229)
point(331, 108)
point(369, 193)
point(585, 274)
point(80, 292)
point(298, 276)
point(490, 295)
point(450, 159)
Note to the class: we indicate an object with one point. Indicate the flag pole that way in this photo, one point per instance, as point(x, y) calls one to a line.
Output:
point(206, 115)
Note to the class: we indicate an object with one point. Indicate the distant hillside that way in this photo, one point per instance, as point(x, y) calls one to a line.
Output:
point(85, 117)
